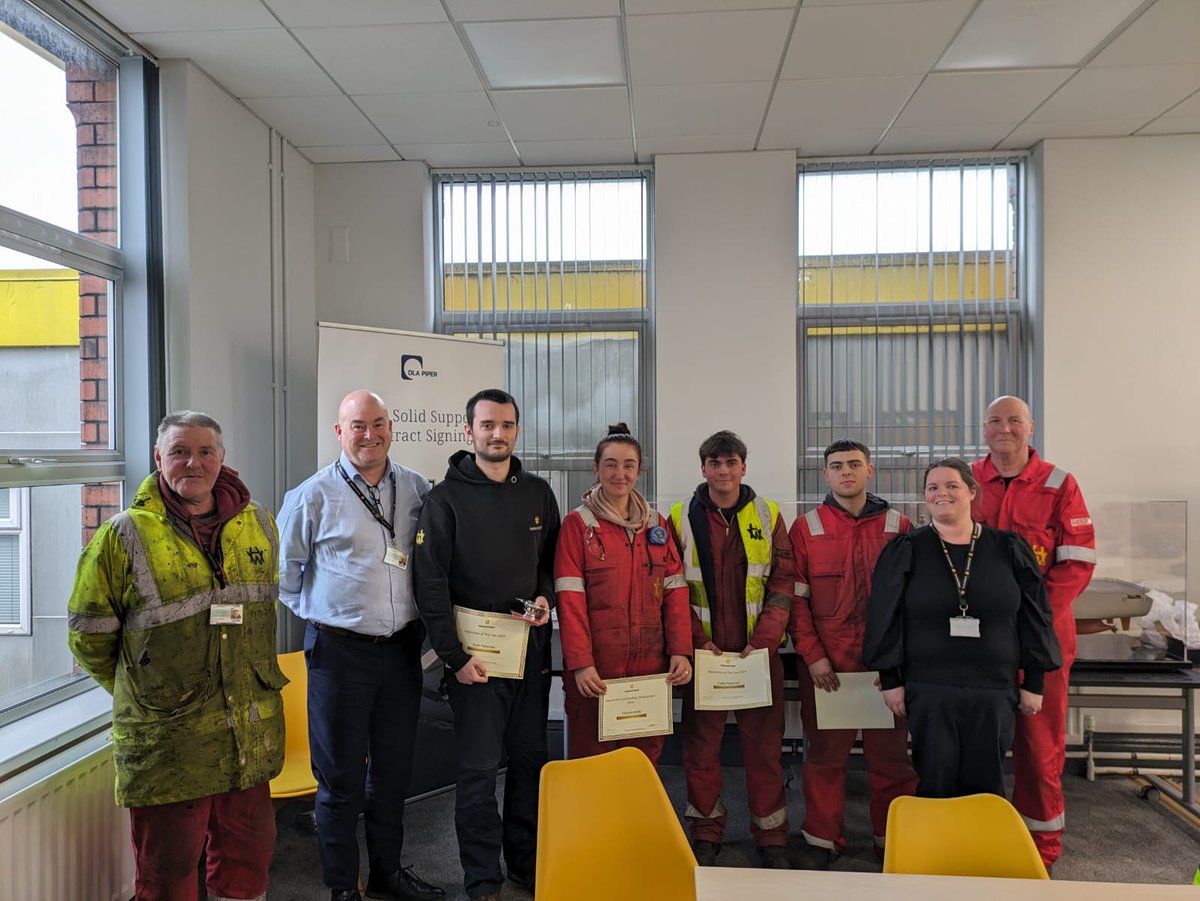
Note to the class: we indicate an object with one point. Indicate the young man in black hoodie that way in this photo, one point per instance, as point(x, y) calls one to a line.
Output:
point(486, 537)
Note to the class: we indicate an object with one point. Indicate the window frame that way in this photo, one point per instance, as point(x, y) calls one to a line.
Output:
point(136, 337)
point(1014, 313)
point(555, 467)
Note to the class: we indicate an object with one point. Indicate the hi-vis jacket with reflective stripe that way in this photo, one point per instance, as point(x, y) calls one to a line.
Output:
point(835, 557)
point(1043, 504)
point(196, 707)
point(756, 524)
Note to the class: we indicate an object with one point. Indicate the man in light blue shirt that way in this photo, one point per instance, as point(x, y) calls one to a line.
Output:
point(345, 536)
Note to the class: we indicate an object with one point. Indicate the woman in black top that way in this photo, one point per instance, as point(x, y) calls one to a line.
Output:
point(957, 609)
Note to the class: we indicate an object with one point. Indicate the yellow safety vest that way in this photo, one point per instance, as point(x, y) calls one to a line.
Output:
point(753, 520)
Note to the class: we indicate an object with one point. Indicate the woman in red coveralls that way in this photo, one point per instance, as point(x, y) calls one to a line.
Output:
point(622, 599)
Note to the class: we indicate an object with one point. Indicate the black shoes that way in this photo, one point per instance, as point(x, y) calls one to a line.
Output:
point(706, 852)
point(814, 857)
point(519, 879)
point(774, 857)
point(350, 895)
point(403, 885)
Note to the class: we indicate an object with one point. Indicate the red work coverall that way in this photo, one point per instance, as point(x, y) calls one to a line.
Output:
point(1043, 504)
point(835, 557)
point(622, 608)
point(760, 729)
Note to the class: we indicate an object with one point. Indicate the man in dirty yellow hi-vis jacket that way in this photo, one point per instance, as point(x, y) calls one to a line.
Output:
point(173, 611)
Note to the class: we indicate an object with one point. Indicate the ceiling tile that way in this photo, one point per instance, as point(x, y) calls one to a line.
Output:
point(575, 153)
point(143, 16)
point(571, 115)
point(802, 110)
point(316, 121)
point(808, 3)
point(653, 7)
point(862, 40)
point(941, 138)
point(250, 63)
point(433, 118)
point(1188, 107)
point(648, 147)
point(548, 53)
point(309, 13)
point(493, 154)
point(1120, 93)
point(966, 98)
point(1167, 32)
point(500, 10)
point(1029, 133)
point(350, 153)
point(668, 111)
point(1182, 125)
point(393, 59)
point(707, 47)
point(836, 142)
point(1012, 34)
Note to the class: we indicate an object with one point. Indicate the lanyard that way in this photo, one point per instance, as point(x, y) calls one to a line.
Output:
point(372, 504)
point(961, 584)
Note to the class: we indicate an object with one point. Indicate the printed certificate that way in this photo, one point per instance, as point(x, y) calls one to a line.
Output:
point(498, 639)
point(636, 707)
point(857, 704)
point(731, 682)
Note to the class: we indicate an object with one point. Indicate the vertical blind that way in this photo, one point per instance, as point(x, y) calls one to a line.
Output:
point(910, 315)
point(10, 561)
point(555, 264)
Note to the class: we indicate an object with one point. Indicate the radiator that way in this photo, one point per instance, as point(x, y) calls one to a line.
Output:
point(63, 839)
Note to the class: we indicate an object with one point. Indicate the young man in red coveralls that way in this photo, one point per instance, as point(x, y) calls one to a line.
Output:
point(836, 546)
point(1043, 504)
point(738, 565)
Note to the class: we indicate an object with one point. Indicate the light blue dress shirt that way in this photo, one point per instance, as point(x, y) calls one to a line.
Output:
point(331, 550)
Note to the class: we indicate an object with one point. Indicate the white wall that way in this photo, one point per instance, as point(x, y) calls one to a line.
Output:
point(239, 274)
point(386, 212)
point(725, 289)
point(1121, 220)
point(1121, 223)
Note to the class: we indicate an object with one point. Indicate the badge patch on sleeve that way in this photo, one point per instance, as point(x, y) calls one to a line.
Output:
point(1081, 521)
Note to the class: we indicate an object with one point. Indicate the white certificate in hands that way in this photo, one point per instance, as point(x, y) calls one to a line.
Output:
point(730, 681)
point(636, 707)
point(498, 639)
point(857, 704)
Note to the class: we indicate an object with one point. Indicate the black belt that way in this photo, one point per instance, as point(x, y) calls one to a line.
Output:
point(358, 636)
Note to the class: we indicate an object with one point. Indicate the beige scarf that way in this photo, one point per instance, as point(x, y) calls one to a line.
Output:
point(639, 510)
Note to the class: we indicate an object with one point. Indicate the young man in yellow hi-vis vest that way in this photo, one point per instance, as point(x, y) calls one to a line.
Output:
point(738, 564)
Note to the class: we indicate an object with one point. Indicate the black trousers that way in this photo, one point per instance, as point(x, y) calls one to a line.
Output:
point(491, 719)
point(960, 736)
point(363, 701)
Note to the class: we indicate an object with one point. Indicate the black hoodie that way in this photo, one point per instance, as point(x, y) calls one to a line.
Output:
point(481, 544)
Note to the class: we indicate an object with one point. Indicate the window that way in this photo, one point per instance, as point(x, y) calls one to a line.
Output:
point(556, 266)
point(73, 239)
point(910, 315)
point(14, 561)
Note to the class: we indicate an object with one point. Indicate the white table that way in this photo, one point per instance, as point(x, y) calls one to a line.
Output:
point(741, 883)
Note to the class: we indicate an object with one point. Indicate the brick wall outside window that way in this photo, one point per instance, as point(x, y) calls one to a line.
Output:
point(92, 99)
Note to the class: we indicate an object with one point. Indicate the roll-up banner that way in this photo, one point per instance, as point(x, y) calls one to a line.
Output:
point(424, 379)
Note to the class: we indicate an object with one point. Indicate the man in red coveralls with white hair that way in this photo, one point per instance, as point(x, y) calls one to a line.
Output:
point(1043, 504)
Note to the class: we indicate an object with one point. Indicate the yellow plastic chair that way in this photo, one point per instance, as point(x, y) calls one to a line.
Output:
point(296, 779)
point(606, 830)
point(976, 835)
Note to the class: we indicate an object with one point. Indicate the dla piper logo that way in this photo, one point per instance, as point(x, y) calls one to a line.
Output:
point(413, 367)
